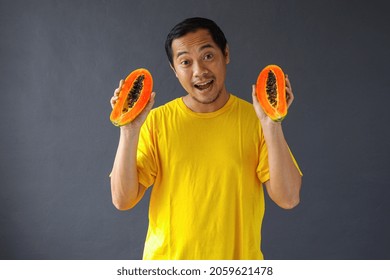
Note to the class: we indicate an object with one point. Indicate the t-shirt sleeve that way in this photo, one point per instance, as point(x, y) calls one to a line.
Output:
point(263, 167)
point(295, 162)
point(146, 155)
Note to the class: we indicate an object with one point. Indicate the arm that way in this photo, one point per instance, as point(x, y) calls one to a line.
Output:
point(125, 189)
point(285, 181)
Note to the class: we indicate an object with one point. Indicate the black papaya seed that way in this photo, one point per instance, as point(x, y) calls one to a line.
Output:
point(271, 88)
point(135, 91)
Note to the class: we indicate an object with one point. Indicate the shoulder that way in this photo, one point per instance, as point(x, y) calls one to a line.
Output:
point(162, 114)
point(244, 107)
point(243, 103)
point(165, 109)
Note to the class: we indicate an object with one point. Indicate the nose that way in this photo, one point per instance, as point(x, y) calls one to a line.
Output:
point(199, 69)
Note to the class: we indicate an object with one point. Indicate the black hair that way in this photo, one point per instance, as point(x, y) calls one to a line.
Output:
point(191, 25)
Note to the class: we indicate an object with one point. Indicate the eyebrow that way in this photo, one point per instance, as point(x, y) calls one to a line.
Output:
point(200, 49)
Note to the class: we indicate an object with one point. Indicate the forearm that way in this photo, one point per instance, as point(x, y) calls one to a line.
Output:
point(124, 176)
point(285, 180)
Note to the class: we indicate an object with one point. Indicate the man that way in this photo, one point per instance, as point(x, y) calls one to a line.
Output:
point(207, 155)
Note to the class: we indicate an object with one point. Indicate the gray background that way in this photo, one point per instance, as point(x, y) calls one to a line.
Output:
point(61, 60)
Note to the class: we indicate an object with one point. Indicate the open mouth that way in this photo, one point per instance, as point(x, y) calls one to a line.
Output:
point(203, 86)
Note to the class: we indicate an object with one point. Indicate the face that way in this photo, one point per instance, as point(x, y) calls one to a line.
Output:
point(200, 66)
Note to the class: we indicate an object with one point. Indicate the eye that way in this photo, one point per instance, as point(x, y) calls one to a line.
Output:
point(185, 62)
point(208, 56)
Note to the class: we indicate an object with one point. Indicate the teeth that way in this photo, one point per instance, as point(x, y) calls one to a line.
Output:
point(204, 85)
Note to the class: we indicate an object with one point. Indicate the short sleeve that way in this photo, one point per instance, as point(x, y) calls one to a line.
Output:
point(263, 167)
point(295, 162)
point(146, 154)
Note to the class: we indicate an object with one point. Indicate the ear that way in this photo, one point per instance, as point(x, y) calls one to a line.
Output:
point(227, 54)
point(173, 69)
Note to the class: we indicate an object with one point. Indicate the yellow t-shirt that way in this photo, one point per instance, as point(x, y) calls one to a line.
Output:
point(206, 169)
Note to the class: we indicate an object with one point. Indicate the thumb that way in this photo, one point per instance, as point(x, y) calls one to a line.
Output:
point(151, 100)
point(256, 104)
point(254, 97)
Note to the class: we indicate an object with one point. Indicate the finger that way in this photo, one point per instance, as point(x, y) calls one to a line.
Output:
point(151, 100)
point(256, 104)
point(289, 96)
point(254, 96)
point(255, 101)
point(117, 91)
point(288, 83)
point(288, 90)
point(289, 93)
point(113, 101)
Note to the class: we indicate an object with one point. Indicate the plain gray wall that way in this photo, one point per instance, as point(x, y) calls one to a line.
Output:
point(60, 62)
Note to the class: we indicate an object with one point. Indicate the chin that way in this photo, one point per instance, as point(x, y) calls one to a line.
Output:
point(206, 99)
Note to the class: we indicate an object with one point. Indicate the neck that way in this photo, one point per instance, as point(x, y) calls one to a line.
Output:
point(200, 107)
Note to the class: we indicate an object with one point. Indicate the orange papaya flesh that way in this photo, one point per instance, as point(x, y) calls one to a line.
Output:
point(133, 97)
point(271, 92)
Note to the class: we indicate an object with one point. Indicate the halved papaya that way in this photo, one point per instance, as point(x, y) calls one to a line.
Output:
point(271, 92)
point(133, 97)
